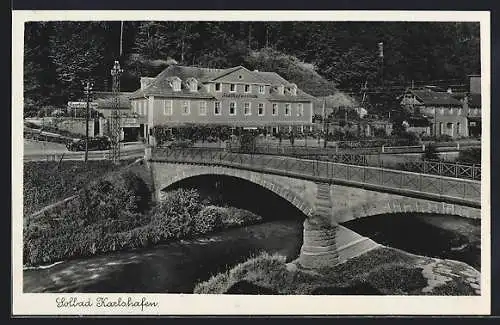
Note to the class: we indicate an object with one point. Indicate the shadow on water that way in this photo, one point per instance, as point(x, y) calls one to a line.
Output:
point(176, 267)
point(441, 236)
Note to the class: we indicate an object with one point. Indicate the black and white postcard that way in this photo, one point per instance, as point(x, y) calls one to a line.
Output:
point(262, 163)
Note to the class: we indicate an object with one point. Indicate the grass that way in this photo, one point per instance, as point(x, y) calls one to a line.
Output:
point(47, 182)
point(382, 271)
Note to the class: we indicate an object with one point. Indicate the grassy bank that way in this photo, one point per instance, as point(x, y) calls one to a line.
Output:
point(116, 213)
point(383, 271)
point(46, 182)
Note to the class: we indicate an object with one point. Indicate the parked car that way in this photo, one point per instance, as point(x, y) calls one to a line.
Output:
point(97, 143)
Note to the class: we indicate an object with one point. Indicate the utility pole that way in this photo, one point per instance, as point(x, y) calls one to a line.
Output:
point(115, 114)
point(381, 56)
point(325, 125)
point(87, 91)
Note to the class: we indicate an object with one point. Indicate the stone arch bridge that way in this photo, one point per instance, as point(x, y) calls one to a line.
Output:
point(325, 197)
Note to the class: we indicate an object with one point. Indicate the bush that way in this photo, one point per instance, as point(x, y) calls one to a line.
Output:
point(114, 197)
point(174, 217)
point(430, 152)
point(469, 156)
point(209, 219)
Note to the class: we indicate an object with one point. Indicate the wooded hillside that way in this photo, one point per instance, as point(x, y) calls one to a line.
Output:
point(319, 57)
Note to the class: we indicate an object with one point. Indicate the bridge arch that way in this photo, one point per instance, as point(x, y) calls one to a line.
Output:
point(403, 205)
point(287, 194)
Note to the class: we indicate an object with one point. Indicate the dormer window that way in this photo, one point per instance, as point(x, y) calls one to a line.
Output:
point(293, 90)
point(192, 84)
point(281, 89)
point(175, 83)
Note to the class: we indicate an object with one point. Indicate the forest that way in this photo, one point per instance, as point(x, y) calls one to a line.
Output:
point(320, 57)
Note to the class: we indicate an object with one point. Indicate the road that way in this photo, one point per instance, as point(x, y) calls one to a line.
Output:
point(33, 147)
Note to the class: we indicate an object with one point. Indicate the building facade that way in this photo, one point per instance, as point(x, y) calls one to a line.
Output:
point(447, 115)
point(235, 97)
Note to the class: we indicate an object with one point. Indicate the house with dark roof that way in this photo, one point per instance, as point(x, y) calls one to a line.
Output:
point(447, 115)
point(235, 97)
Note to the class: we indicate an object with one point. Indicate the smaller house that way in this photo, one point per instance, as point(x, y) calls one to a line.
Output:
point(445, 113)
point(130, 123)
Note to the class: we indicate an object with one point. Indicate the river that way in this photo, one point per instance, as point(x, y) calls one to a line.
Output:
point(177, 267)
point(169, 268)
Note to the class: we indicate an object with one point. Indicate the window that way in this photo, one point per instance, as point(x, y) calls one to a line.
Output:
point(232, 88)
point(262, 89)
point(185, 108)
point(459, 111)
point(275, 109)
point(261, 109)
point(193, 86)
point(217, 108)
point(167, 107)
point(281, 89)
point(217, 86)
point(248, 88)
point(287, 109)
point(203, 108)
point(441, 111)
point(450, 111)
point(247, 109)
point(176, 85)
point(300, 109)
point(232, 108)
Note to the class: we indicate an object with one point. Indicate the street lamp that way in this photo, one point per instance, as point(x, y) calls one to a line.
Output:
point(88, 85)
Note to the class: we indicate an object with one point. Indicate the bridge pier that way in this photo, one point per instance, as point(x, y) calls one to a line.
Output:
point(325, 242)
point(328, 245)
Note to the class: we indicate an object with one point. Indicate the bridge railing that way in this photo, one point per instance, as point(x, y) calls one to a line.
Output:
point(396, 181)
point(442, 168)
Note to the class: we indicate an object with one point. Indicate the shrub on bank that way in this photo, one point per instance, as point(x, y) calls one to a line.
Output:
point(110, 216)
point(380, 271)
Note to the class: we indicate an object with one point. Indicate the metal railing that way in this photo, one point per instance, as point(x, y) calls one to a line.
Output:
point(92, 155)
point(420, 185)
point(442, 168)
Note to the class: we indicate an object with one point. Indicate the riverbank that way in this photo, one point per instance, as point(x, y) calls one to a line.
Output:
point(382, 271)
point(116, 214)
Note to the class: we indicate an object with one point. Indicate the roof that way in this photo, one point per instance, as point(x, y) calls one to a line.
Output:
point(433, 98)
point(160, 86)
point(418, 122)
point(105, 100)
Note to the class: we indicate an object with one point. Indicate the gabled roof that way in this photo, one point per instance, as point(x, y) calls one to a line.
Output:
point(106, 100)
point(160, 86)
point(433, 98)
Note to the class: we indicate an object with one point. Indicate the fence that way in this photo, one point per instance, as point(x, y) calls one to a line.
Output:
point(436, 187)
point(92, 155)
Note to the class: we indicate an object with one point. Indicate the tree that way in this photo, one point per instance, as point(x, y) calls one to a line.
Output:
point(430, 152)
point(77, 50)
